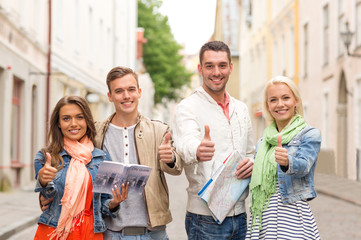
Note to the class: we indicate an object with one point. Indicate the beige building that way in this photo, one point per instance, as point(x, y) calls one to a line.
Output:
point(301, 39)
point(330, 81)
point(23, 68)
point(88, 39)
point(268, 48)
point(226, 29)
point(49, 49)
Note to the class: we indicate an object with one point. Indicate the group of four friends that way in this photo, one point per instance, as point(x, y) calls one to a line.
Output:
point(207, 126)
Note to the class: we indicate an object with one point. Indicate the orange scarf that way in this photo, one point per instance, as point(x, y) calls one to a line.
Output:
point(76, 186)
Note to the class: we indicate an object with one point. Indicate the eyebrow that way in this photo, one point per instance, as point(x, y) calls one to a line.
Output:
point(67, 115)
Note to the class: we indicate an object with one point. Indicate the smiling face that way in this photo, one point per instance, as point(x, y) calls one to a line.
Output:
point(281, 104)
point(124, 94)
point(72, 122)
point(215, 69)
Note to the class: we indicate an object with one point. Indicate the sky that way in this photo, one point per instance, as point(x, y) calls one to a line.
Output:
point(191, 21)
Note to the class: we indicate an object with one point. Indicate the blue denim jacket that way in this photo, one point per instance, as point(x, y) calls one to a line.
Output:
point(55, 189)
point(297, 181)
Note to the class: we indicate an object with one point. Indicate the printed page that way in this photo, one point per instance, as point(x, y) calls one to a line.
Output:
point(115, 173)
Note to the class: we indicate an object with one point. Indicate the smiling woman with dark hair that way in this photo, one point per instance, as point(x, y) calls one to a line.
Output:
point(65, 171)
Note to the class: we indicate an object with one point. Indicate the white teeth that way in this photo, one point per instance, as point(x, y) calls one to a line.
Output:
point(74, 131)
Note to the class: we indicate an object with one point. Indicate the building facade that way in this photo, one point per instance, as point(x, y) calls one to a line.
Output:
point(301, 39)
point(330, 80)
point(88, 39)
point(49, 49)
point(23, 67)
point(226, 29)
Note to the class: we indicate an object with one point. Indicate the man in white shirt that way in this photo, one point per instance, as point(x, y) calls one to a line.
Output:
point(207, 127)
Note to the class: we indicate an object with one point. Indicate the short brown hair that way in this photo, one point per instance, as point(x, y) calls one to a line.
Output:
point(119, 72)
point(214, 46)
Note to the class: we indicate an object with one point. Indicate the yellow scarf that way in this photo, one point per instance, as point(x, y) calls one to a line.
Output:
point(76, 186)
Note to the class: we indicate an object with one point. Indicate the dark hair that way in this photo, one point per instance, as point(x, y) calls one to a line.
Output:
point(119, 72)
point(55, 137)
point(214, 46)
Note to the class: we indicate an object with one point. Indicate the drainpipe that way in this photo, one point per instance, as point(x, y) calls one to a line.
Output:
point(48, 76)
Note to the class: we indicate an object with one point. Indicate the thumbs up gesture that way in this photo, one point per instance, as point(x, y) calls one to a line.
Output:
point(281, 153)
point(205, 150)
point(165, 149)
point(47, 173)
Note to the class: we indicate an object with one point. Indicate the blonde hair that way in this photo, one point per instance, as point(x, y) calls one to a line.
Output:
point(293, 87)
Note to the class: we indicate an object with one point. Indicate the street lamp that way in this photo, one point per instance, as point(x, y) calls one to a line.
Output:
point(347, 38)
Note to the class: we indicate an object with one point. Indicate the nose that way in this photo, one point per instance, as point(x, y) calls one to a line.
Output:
point(126, 94)
point(216, 71)
point(73, 122)
point(280, 103)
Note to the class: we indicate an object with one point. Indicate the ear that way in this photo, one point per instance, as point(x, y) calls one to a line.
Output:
point(200, 69)
point(140, 92)
point(231, 67)
point(109, 97)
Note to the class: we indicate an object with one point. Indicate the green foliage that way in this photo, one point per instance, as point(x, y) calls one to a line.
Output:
point(160, 53)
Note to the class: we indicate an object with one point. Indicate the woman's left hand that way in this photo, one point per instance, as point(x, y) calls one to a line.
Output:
point(117, 196)
point(281, 153)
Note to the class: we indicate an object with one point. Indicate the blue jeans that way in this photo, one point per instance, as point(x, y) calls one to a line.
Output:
point(155, 235)
point(200, 227)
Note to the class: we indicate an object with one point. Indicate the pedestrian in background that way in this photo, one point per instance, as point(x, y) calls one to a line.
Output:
point(208, 126)
point(65, 171)
point(283, 173)
point(132, 138)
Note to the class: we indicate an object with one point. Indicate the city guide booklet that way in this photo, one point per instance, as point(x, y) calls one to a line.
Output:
point(223, 189)
point(115, 173)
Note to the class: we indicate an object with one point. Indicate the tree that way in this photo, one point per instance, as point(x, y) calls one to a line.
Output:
point(161, 52)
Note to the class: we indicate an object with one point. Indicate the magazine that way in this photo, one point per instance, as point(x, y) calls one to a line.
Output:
point(223, 189)
point(116, 173)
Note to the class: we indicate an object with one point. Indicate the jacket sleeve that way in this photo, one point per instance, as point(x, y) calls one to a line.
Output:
point(306, 155)
point(186, 134)
point(50, 190)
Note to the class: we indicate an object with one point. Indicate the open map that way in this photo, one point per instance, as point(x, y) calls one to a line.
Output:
point(223, 190)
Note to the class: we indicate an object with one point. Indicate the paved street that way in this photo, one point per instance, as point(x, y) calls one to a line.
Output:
point(336, 219)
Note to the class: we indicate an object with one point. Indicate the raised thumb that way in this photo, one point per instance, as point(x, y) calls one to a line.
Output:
point(48, 159)
point(206, 133)
point(279, 141)
point(167, 138)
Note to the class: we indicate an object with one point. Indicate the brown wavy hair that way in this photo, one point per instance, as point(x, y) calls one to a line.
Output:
point(56, 137)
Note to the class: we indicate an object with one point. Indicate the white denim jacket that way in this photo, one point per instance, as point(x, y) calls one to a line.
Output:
point(190, 116)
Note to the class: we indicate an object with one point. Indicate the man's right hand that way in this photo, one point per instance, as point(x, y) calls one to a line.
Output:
point(205, 150)
point(47, 173)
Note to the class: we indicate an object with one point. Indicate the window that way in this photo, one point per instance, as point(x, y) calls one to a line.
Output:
point(283, 56)
point(358, 23)
point(326, 120)
point(358, 121)
point(291, 68)
point(275, 59)
point(341, 26)
point(325, 35)
point(76, 27)
point(59, 20)
point(91, 50)
point(15, 120)
point(305, 50)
